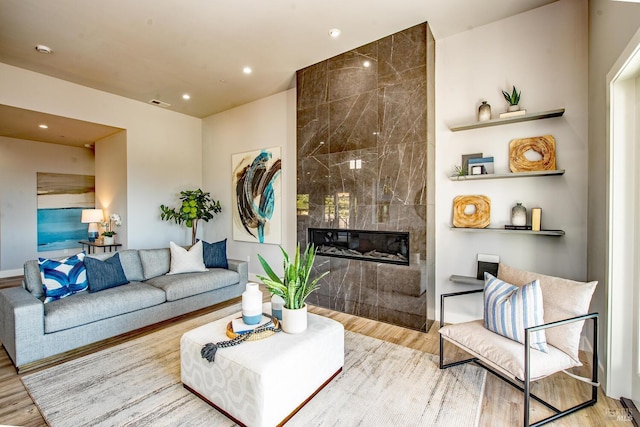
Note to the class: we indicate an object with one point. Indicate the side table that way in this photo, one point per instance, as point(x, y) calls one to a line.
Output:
point(91, 246)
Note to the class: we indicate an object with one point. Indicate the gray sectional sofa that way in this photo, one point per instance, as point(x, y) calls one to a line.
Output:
point(31, 330)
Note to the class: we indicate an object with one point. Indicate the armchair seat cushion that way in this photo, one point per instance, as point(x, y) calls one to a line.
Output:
point(503, 354)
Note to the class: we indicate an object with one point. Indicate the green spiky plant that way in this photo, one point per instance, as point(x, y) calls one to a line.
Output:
point(512, 98)
point(196, 205)
point(294, 287)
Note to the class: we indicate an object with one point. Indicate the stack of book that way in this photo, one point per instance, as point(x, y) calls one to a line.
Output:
point(239, 327)
point(517, 227)
point(513, 114)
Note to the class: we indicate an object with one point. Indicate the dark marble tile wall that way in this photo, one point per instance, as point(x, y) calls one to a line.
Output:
point(368, 105)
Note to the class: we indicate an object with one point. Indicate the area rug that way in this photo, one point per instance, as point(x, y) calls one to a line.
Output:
point(137, 383)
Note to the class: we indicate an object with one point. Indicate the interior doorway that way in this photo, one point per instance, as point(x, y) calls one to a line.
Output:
point(623, 347)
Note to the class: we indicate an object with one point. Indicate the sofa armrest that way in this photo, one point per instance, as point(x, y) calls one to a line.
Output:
point(241, 267)
point(21, 322)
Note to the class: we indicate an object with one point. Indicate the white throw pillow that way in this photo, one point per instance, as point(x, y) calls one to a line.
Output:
point(186, 261)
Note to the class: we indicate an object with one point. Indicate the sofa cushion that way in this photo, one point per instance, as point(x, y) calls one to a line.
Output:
point(187, 284)
point(186, 261)
point(215, 254)
point(90, 307)
point(155, 262)
point(130, 261)
point(510, 309)
point(33, 279)
point(562, 299)
point(104, 274)
point(61, 278)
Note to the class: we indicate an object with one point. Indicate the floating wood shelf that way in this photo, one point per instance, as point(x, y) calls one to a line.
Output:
point(507, 175)
point(553, 233)
point(497, 122)
point(466, 280)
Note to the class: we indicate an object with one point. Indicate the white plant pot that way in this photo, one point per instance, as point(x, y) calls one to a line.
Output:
point(106, 240)
point(294, 321)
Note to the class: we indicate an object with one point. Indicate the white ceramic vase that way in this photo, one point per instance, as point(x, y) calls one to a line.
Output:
point(294, 321)
point(108, 240)
point(252, 304)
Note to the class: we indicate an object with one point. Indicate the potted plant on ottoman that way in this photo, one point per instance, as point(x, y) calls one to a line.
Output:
point(294, 287)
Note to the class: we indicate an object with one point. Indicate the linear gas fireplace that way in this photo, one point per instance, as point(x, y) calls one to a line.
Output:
point(378, 246)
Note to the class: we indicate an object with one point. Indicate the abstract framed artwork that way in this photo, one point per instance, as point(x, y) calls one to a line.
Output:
point(61, 199)
point(257, 204)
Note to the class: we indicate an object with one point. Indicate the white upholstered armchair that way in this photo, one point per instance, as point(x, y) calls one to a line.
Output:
point(531, 329)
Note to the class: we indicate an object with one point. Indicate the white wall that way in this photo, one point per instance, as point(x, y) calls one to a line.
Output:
point(20, 161)
point(611, 26)
point(268, 122)
point(163, 148)
point(544, 53)
point(111, 181)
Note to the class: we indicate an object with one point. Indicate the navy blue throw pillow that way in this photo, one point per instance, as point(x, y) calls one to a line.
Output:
point(104, 274)
point(215, 254)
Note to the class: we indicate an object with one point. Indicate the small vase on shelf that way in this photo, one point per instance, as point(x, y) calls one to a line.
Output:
point(484, 112)
point(519, 215)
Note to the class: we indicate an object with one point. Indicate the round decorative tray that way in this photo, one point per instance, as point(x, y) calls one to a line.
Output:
point(256, 335)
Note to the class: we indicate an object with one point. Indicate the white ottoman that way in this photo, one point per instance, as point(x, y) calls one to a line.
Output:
point(264, 382)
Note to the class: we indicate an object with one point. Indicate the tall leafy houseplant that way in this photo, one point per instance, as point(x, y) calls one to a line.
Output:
point(196, 205)
point(295, 285)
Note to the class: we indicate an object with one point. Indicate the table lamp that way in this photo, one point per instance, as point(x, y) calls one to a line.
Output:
point(92, 217)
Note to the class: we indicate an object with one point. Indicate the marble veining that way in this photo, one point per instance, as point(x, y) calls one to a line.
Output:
point(363, 163)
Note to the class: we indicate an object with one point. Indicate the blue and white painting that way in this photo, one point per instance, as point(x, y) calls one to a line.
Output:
point(61, 199)
point(257, 205)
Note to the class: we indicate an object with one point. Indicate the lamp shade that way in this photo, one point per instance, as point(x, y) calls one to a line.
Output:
point(92, 215)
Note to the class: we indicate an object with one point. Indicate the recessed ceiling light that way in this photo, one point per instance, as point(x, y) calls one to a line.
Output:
point(43, 49)
point(43, 126)
point(366, 64)
point(247, 70)
point(186, 96)
point(335, 33)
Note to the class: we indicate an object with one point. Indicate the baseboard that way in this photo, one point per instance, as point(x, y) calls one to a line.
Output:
point(11, 273)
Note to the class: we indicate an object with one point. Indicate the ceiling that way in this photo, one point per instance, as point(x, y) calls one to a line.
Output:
point(161, 49)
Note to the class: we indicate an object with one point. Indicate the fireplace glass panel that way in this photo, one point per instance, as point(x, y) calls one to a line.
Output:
point(377, 246)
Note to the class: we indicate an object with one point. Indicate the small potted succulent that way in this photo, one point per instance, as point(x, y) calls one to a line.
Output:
point(513, 99)
point(294, 287)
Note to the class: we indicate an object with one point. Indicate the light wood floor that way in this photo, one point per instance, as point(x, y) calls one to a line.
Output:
point(501, 405)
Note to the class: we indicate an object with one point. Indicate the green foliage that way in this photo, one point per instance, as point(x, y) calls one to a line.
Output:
point(109, 233)
point(196, 205)
point(294, 286)
point(512, 98)
point(460, 171)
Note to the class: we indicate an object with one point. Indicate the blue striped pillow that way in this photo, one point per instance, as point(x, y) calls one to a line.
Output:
point(510, 309)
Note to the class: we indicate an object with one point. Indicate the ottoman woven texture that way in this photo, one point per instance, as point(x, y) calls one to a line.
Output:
point(261, 383)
